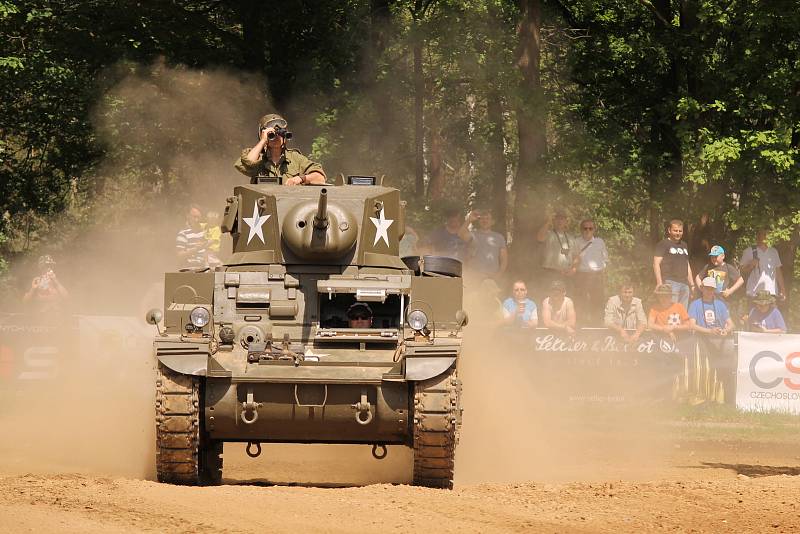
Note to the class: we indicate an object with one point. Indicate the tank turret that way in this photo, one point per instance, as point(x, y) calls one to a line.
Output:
point(318, 230)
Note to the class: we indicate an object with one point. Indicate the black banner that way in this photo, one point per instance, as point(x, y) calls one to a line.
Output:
point(596, 366)
point(34, 348)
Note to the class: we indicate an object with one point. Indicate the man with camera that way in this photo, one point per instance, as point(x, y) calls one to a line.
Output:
point(270, 161)
point(46, 291)
point(559, 249)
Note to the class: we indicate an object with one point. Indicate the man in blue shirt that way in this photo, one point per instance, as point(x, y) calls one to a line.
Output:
point(453, 238)
point(710, 318)
point(490, 255)
point(518, 309)
point(708, 314)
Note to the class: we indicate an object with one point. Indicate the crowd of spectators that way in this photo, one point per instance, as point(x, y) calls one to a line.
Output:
point(695, 288)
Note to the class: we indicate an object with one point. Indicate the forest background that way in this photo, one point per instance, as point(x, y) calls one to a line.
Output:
point(631, 111)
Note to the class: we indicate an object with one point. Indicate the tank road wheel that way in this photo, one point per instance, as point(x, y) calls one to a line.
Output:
point(183, 454)
point(437, 418)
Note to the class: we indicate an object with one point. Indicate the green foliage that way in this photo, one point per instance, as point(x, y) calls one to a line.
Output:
point(648, 115)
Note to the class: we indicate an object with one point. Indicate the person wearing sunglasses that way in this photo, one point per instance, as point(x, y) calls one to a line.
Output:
point(590, 265)
point(270, 160)
point(359, 315)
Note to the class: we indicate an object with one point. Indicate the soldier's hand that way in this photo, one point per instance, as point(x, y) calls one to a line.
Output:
point(264, 135)
point(294, 180)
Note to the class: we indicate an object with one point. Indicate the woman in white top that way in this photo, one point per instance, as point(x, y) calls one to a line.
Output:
point(558, 311)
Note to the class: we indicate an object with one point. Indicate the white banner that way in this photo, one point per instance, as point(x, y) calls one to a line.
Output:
point(768, 373)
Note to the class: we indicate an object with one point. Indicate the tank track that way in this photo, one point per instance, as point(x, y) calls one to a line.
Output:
point(183, 455)
point(437, 419)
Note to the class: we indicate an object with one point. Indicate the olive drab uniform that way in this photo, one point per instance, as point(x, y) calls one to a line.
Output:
point(292, 163)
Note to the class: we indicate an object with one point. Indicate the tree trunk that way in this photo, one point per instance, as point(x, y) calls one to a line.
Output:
point(496, 163)
point(419, 131)
point(380, 22)
point(787, 250)
point(251, 16)
point(437, 183)
point(530, 113)
point(666, 174)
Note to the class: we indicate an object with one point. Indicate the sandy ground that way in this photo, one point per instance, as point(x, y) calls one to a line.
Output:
point(75, 458)
point(708, 487)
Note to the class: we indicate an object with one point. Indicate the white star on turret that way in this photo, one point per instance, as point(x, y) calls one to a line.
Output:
point(255, 223)
point(381, 226)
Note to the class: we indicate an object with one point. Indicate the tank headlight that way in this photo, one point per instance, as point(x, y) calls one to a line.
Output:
point(199, 317)
point(417, 320)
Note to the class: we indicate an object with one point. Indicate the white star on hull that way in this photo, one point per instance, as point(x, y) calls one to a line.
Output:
point(381, 226)
point(255, 223)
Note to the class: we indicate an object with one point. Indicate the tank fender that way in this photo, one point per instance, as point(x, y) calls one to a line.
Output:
point(186, 364)
point(425, 367)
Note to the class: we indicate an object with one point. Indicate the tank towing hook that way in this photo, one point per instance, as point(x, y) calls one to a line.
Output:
point(250, 406)
point(256, 453)
point(379, 455)
point(363, 407)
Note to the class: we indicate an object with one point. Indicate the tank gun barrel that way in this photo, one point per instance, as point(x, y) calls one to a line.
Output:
point(321, 217)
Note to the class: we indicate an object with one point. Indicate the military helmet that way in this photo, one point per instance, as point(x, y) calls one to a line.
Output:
point(270, 121)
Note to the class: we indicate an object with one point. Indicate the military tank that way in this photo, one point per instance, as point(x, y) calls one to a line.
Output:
point(261, 349)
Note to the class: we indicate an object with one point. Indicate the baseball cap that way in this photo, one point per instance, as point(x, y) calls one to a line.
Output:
point(716, 250)
point(709, 281)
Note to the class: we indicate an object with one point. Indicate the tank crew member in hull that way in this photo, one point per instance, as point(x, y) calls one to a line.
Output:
point(359, 315)
point(270, 159)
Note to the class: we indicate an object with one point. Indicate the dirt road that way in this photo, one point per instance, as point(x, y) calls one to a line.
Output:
point(75, 458)
point(705, 487)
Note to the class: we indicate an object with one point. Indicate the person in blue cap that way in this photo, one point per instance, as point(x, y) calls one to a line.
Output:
point(728, 279)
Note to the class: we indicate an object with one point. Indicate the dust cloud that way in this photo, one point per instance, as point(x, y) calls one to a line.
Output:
point(78, 382)
point(518, 424)
point(78, 385)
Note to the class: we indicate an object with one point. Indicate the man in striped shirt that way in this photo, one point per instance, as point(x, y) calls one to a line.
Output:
point(191, 244)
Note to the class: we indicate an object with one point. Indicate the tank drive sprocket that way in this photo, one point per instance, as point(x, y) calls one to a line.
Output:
point(183, 455)
point(437, 418)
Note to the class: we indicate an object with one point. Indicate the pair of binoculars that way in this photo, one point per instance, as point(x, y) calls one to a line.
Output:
point(283, 132)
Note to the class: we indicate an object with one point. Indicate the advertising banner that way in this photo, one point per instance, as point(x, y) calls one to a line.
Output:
point(768, 372)
point(594, 366)
point(33, 347)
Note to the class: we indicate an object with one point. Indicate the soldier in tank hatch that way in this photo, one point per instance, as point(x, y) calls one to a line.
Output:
point(271, 160)
point(359, 315)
